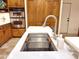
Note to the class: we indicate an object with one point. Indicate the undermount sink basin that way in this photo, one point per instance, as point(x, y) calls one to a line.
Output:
point(38, 42)
point(37, 37)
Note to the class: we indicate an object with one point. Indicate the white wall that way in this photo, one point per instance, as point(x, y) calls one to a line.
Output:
point(74, 17)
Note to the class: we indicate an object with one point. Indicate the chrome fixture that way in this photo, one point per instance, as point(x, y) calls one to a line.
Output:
point(53, 16)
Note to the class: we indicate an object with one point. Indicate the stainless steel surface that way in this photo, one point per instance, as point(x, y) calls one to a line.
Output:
point(38, 40)
point(36, 35)
point(38, 45)
point(17, 17)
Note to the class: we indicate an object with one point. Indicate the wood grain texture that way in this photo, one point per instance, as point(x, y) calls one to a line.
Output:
point(5, 33)
point(17, 32)
point(38, 10)
point(15, 3)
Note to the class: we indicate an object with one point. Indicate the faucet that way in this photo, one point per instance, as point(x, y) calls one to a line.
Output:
point(53, 16)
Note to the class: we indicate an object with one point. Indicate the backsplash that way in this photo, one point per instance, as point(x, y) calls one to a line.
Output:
point(4, 18)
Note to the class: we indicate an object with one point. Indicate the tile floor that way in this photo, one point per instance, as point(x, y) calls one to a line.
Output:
point(7, 47)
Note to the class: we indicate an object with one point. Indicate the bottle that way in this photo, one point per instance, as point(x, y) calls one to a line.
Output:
point(60, 42)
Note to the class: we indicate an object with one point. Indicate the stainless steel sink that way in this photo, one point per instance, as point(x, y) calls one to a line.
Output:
point(37, 42)
point(37, 37)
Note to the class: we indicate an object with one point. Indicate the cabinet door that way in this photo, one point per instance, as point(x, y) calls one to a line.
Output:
point(1, 37)
point(12, 3)
point(16, 3)
point(21, 31)
point(38, 10)
point(17, 32)
point(7, 32)
point(20, 3)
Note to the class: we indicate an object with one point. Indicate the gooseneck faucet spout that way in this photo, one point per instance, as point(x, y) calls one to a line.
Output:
point(53, 16)
point(47, 18)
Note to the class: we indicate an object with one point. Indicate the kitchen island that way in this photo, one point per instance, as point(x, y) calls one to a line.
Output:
point(18, 54)
point(73, 42)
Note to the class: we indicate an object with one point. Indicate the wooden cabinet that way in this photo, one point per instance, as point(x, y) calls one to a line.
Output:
point(17, 32)
point(1, 36)
point(15, 3)
point(5, 33)
point(38, 10)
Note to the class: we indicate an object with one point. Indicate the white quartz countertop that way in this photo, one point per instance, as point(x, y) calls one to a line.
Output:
point(73, 42)
point(18, 54)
